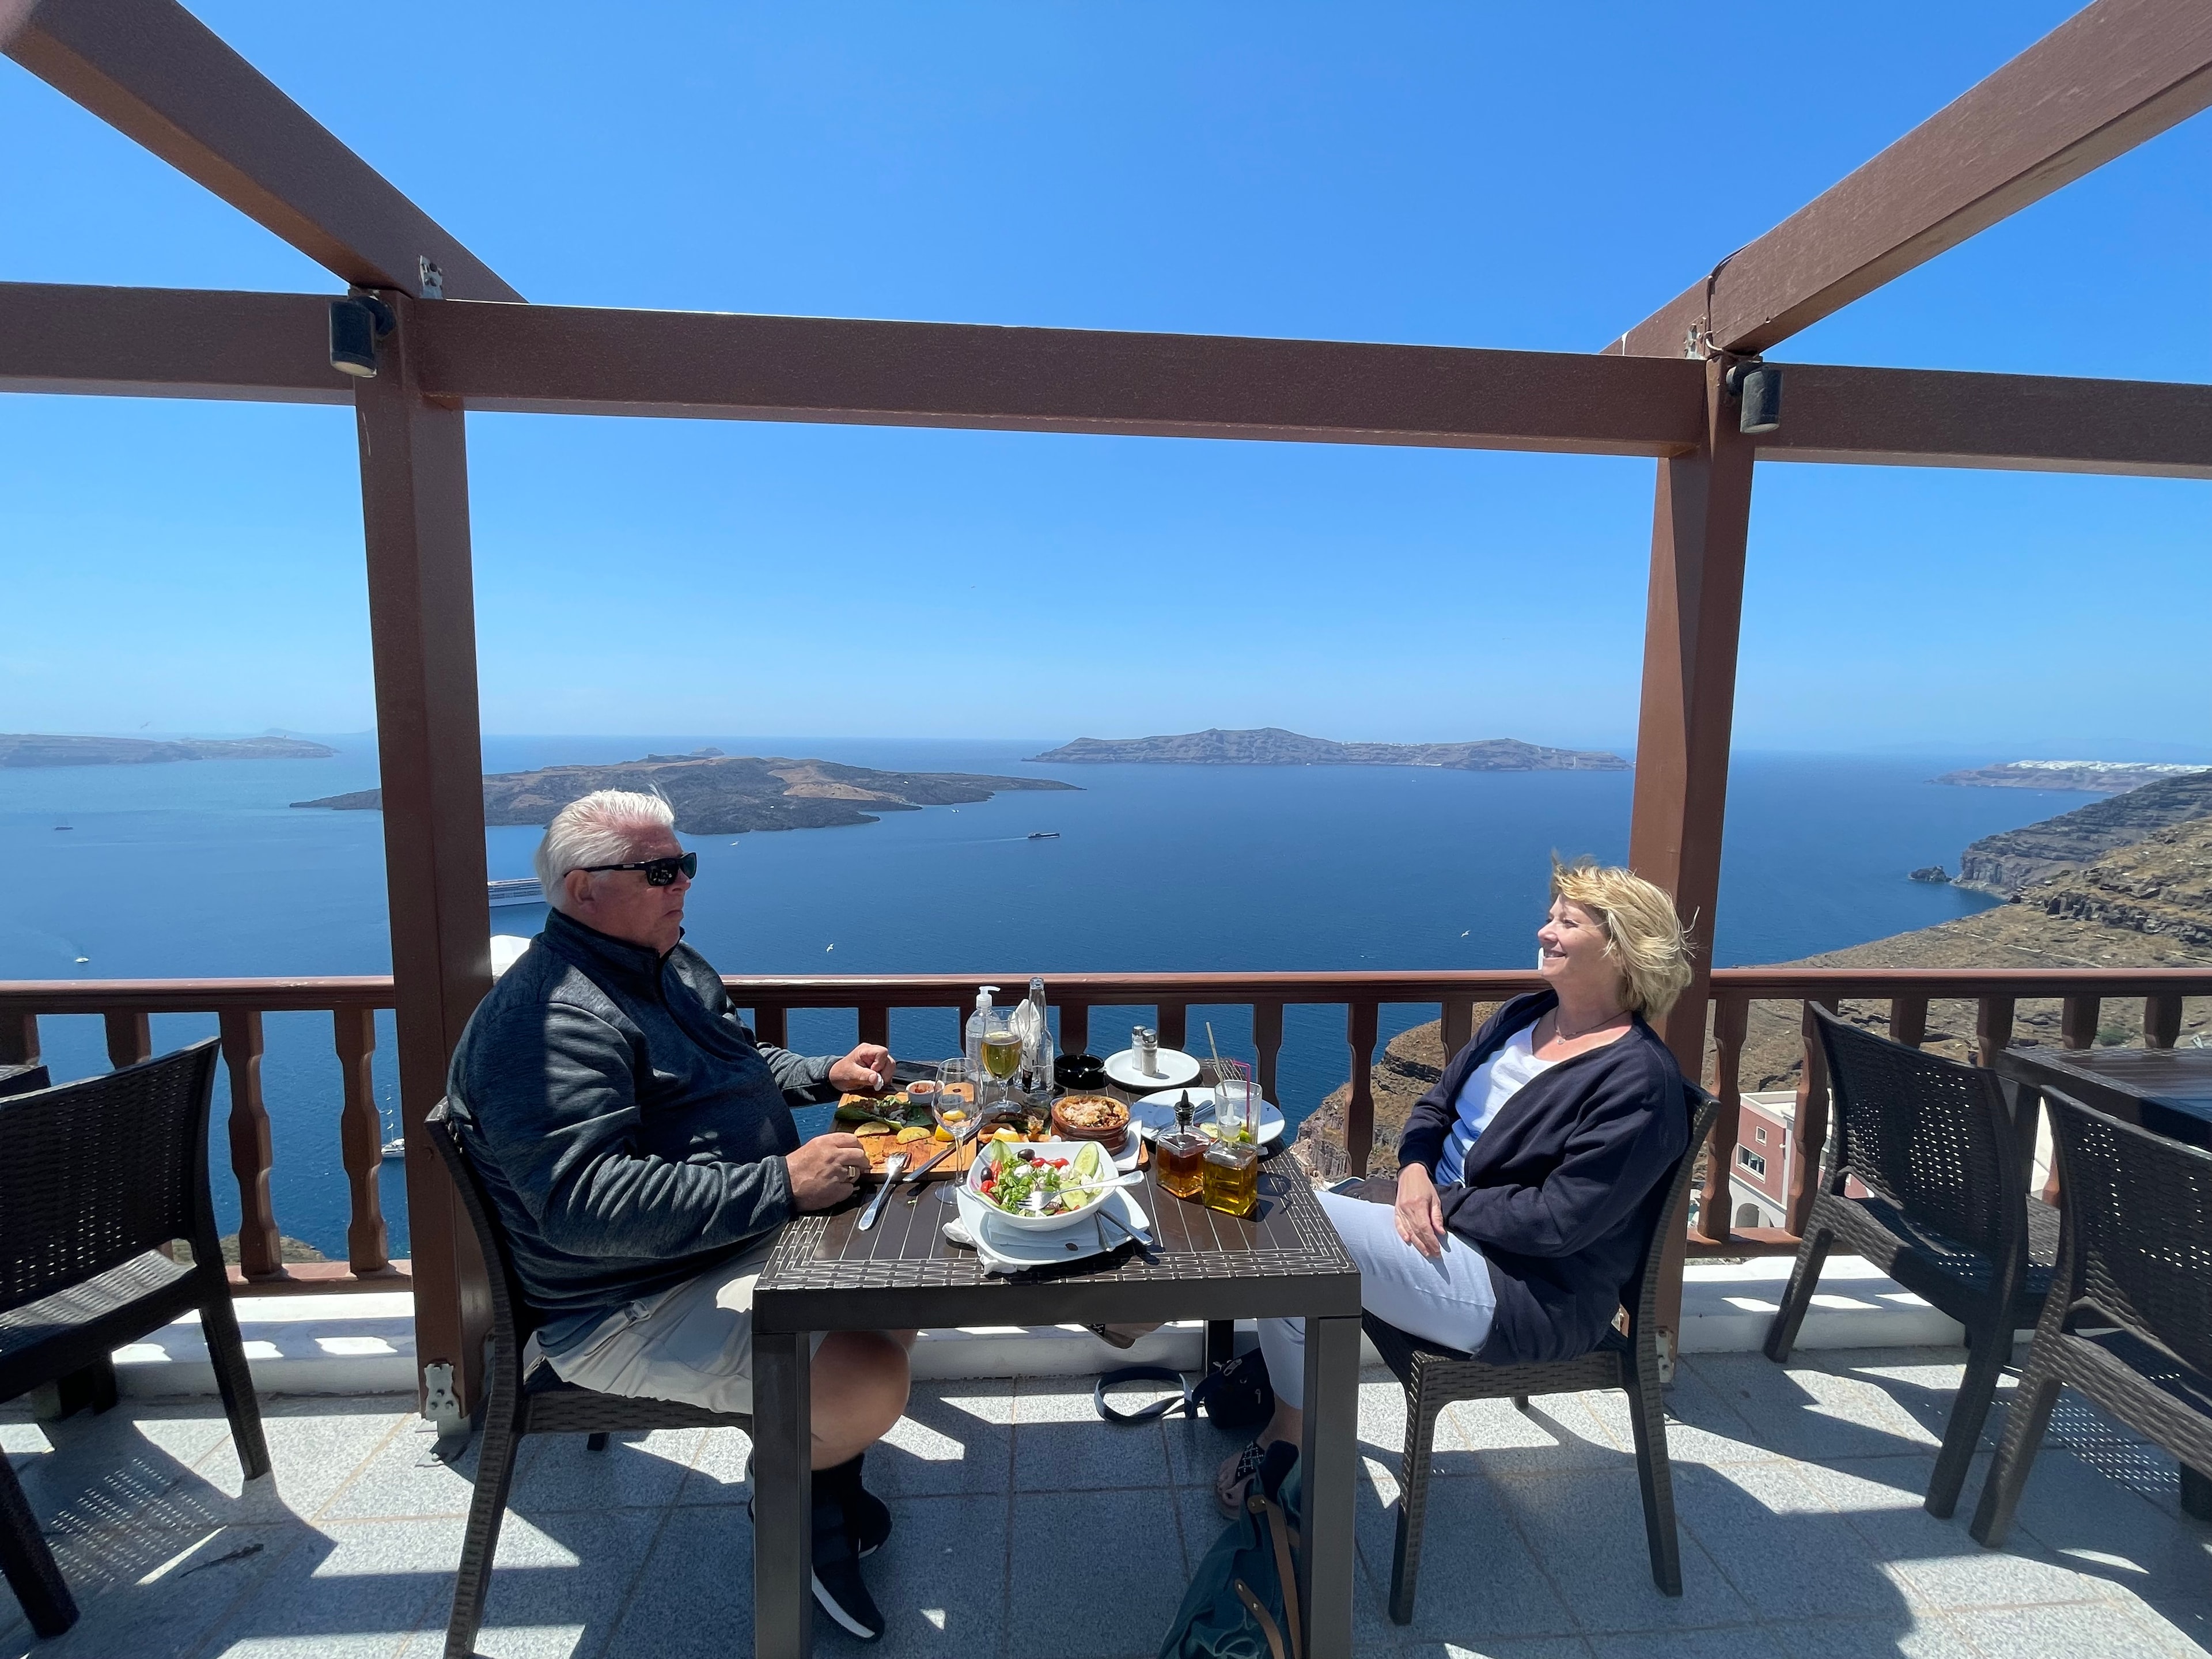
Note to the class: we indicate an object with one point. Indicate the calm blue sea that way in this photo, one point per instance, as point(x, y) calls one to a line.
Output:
point(202, 868)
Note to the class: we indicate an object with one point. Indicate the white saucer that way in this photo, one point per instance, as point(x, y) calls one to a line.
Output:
point(1176, 1069)
point(1005, 1251)
point(1156, 1112)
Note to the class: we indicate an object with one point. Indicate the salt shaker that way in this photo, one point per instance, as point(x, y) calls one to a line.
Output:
point(1146, 1043)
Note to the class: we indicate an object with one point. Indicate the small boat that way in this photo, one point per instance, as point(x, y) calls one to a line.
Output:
point(64, 826)
point(1044, 835)
point(523, 889)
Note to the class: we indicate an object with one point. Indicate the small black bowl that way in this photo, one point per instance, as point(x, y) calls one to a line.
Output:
point(1079, 1073)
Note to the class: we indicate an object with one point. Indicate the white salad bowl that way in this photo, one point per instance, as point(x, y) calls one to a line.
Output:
point(1046, 1149)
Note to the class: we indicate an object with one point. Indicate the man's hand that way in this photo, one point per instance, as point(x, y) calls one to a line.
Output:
point(1420, 1218)
point(868, 1068)
point(824, 1172)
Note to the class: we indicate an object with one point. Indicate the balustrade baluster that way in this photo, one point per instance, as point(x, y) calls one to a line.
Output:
point(876, 1023)
point(1362, 1021)
point(1811, 1137)
point(2162, 1019)
point(1458, 1024)
point(1993, 1018)
point(1731, 1019)
point(1074, 1028)
point(2077, 1022)
point(129, 1036)
point(772, 1025)
point(260, 1254)
point(361, 1138)
point(19, 1039)
point(1175, 1025)
point(1267, 1043)
point(1908, 1018)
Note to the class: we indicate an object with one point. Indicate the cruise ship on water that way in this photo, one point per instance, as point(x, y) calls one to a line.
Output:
point(523, 889)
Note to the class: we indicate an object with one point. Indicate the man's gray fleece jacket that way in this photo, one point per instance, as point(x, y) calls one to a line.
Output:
point(631, 1130)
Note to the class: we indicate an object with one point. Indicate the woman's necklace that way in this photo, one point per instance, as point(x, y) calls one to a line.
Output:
point(1561, 1034)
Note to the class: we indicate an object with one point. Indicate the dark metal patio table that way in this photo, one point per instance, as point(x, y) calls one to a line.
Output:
point(2166, 1090)
point(826, 1276)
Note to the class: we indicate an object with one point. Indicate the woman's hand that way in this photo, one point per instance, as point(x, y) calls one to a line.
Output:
point(1420, 1218)
point(868, 1068)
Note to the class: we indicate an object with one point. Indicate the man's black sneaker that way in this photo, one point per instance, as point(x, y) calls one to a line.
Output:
point(839, 1590)
point(867, 1518)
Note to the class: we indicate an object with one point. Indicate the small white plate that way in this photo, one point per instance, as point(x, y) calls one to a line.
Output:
point(1156, 1112)
point(1176, 1069)
point(1004, 1250)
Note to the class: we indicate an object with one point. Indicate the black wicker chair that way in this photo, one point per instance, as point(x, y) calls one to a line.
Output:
point(2129, 1319)
point(1434, 1378)
point(94, 1178)
point(547, 1405)
point(1948, 1214)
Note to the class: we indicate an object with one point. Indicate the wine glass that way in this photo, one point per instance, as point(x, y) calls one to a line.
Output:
point(1002, 1055)
point(950, 1072)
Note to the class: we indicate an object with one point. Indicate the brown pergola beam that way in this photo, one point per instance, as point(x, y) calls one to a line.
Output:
point(547, 359)
point(2017, 422)
point(558, 360)
point(168, 343)
point(157, 74)
point(2111, 76)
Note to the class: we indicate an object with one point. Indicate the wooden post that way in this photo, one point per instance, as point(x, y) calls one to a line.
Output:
point(19, 1039)
point(1361, 1026)
point(1267, 1045)
point(361, 1138)
point(1701, 517)
point(260, 1252)
point(129, 1036)
point(422, 614)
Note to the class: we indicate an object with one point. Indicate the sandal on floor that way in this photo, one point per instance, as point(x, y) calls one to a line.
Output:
point(1234, 1477)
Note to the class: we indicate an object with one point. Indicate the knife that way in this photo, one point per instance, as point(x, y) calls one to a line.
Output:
point(876, 1205)
point(941, 1154)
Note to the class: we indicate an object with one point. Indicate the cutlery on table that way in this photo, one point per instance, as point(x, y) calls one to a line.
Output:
point(939, 1157)
point(891, 1168)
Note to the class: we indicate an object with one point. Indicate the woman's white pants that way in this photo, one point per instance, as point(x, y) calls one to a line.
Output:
point(1448, 1300)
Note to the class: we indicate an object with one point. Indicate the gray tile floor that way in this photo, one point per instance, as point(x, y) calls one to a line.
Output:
point(1799, 1490)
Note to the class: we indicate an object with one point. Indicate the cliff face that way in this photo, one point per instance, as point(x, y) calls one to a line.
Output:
point(2004, 864)
point(727, 794)
point(1272, 746)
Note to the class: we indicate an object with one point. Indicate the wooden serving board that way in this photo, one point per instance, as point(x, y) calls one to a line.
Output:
point(880, 1147)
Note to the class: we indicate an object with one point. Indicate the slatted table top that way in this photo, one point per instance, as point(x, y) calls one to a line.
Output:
point(2167, 1090)
point(825, 1275)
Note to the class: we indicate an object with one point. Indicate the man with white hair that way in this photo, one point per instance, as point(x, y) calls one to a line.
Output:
point(637, 1141)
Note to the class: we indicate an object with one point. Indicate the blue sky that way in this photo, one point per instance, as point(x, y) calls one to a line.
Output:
point(1540, 178)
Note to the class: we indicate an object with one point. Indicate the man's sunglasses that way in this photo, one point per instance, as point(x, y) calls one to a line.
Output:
point(659, 873)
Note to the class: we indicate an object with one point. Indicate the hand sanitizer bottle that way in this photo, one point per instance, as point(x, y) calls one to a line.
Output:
point(976, 1024)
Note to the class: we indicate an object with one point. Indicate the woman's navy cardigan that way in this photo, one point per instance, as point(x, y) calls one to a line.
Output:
point(1562, 1190)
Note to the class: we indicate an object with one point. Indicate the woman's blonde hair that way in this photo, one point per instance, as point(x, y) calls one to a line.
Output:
point(1643, 934)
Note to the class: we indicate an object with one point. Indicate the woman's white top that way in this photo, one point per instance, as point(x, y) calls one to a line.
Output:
point(1487, 1088)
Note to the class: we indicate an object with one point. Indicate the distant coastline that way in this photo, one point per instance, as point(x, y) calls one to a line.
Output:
point(27, 748)
point(718, 794)
point(1272, 745)
point(2092, 777)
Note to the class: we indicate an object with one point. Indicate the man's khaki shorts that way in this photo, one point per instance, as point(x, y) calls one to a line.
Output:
point(693, 1343)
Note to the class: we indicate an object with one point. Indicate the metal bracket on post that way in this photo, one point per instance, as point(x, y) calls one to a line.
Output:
point(441, 1404)
point(433, 283)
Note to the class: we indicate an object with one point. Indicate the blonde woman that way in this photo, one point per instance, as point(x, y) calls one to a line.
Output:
point(1529, 1177)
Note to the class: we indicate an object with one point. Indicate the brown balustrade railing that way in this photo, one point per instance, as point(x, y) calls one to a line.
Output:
point(127, 1007)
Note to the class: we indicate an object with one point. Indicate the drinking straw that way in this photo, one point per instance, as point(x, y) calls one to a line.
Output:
point(1218, 1078)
